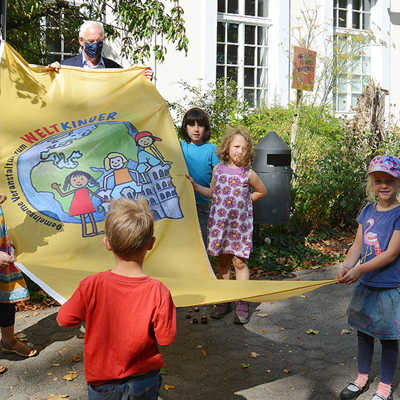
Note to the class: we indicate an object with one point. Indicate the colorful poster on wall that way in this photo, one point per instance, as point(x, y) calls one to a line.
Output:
point(304, 64)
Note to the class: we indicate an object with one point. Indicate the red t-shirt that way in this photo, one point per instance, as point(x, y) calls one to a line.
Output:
point(125, 319)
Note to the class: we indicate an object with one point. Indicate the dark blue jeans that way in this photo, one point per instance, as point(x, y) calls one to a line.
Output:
point(139, 387)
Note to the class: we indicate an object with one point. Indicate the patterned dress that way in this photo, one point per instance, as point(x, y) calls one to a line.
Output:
point(12, 283)
point(230, 225)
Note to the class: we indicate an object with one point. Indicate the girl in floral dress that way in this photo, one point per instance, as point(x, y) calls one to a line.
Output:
point(12, 289)
point(234, 188)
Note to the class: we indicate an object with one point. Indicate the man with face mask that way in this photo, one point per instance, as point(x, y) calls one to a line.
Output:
point(91, 36)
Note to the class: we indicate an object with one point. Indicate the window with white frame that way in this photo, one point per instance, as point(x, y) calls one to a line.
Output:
point(242, 47)
point(61, 45)
point(351, 21)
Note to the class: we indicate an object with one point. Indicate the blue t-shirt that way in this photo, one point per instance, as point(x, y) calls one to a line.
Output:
point(200, 161)
point(377, 230)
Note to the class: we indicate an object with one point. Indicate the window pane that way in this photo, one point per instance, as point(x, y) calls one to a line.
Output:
point(366, 66)
point(221, 6)
point(367, 5)
point(52, 57)
point(249, 77)
point(232, 73)
point(356, 20)
point(356, 67)
point(356, 85)
point(220, 73)
point(262, 35)
point(232, 54)
point(262, 8)
point(70, 43)
point(249, 53)
point(220, 54)
point(342, 102)
point(250, 7)
point(366, 21)
point(335, 3)
point(356, 4)
point(354, 99)
point(365, 81)
point(249, 96)
point(233, 7)
point(262, 56)
point(342, 87)
point(261, 77)
point(261, 98)
point(334, 17)
point(342, 18)
point(342, 3)
point(232, 32)
point(220, 32)
point(53, 40)
point(250, 34)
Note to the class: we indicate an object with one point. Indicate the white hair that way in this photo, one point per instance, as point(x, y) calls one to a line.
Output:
point(87, 24)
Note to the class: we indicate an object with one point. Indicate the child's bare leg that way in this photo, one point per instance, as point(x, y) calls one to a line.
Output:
point(224, 262)
point(241, 268)
point(242, 274)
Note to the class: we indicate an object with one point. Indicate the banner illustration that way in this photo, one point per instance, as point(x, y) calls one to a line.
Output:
point(71, 142)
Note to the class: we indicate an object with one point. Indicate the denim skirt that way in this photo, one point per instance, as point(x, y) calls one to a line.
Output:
point(375, 311)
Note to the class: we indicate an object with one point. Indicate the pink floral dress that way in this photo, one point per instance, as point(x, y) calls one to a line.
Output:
point(230, 225)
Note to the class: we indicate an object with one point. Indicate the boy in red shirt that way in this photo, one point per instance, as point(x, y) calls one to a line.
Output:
point(126, 312)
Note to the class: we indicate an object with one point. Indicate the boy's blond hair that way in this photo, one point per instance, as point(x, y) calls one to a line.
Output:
point(129, 226)
point(223, 149)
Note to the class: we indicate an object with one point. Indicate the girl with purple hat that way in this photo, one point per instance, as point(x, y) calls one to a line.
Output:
point(373, 262)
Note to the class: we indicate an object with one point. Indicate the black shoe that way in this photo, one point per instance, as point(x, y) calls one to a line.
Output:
point(348, 394)
point(220, 310)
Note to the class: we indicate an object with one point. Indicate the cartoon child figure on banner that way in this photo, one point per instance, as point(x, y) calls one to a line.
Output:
point(82, 204)
point(146, 160)
point(126, 180)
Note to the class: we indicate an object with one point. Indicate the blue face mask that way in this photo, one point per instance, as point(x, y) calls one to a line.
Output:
point(93, 50)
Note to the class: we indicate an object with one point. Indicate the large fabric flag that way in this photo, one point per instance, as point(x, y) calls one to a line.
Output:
point(72, 141)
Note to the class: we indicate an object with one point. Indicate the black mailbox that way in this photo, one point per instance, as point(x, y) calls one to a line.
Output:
point(272, 165)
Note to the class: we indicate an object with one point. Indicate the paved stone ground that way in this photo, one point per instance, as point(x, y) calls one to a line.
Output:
point(206, 360)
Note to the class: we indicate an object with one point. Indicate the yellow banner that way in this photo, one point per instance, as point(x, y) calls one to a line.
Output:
point(73, 140)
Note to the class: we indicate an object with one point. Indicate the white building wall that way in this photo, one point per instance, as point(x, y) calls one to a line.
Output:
point(197, 67)
point(279, 53)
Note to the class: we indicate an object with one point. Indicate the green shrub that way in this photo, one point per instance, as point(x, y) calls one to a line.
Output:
point(328, 190)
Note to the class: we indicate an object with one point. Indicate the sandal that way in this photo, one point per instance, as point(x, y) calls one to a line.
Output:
point(2, 369)
point(19, 348)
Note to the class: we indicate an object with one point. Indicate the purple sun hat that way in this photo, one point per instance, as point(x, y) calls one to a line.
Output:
point(388, 164)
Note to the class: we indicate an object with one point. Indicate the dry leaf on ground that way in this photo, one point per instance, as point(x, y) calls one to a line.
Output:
point(312, 332)
point(169, 387)
point(245, 365)
point(253, 354)
point(70, 376)
point(75, 358)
